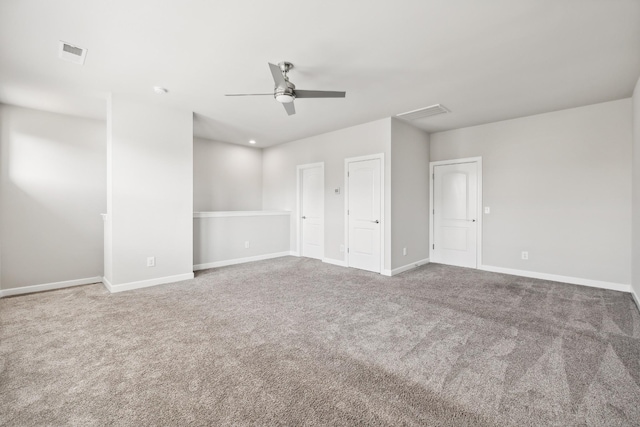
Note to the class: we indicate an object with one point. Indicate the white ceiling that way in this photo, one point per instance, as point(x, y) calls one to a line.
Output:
point(484, 60)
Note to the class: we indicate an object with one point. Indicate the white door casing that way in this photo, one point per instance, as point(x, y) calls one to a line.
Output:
point(311, 210)
point(364, 214)
point(456, 212)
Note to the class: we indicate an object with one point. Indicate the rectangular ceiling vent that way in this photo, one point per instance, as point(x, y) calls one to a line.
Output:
point(421, 113)
point(72, 53)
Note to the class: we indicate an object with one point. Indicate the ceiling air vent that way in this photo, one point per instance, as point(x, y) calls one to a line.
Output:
point(421, 113)
point(72, 53)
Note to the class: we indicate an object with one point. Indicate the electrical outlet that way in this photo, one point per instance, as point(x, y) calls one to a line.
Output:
point(525, 255)
point(487, 210)
point(246, 245)
point(404, 251)
point(151, 261)
point(341, 248)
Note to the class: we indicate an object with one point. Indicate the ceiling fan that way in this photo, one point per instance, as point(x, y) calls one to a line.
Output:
point(285, 91)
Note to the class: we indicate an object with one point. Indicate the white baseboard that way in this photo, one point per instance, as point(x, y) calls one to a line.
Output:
point(145, 283)
point(410, 266)
point(107, 284)
point(384, 272)
point(621, 287)
point(337, 262)
point(49, 286)
point(224, 263)
point(635, 299)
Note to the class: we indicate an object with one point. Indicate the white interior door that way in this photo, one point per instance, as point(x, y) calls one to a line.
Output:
point(312, 212)
point(364, 208)
point(455, 214)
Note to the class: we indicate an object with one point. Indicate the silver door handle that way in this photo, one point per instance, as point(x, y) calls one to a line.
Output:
point(304, 217)
point(471, 220)
point(376, 221)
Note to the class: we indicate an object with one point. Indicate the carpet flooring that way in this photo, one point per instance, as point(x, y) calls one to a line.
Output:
point(293, 341)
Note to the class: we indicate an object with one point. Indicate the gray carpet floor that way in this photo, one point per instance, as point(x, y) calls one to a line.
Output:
point(293, 341)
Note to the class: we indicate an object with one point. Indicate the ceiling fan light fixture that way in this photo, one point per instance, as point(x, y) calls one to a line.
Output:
point(284, 98)
point(285, 92)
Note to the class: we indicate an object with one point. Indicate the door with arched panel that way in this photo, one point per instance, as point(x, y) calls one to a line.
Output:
point(455, 214)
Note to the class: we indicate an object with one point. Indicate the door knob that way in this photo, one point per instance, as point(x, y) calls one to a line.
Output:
point(304, 217)
point(376, 221)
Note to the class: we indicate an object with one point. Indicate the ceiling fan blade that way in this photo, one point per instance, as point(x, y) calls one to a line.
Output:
point(319, 94)
point(278, 78)
point(291, 110)
point(248, 94)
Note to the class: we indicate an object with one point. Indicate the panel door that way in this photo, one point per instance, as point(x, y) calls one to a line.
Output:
point(364, 213)
point(312, 213)
point(455, 225)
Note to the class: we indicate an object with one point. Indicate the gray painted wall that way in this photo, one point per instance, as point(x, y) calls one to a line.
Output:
point(226, 177)
point(218, 239)
point(52, 191)
point(149, 192)
point(279, 176)
point(635, 281)
point(558, 185)
point(409, 194)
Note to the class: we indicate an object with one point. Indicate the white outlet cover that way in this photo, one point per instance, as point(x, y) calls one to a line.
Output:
point(487, 210)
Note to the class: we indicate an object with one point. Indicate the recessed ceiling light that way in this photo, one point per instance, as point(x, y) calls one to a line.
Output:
point(160, 90)
point(252, 142)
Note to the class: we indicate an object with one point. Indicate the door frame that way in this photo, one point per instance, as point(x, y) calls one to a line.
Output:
point(383, 224)
point(299, 170)
point(479, 214)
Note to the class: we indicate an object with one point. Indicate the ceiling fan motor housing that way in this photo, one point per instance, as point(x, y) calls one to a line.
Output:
point(285, 95)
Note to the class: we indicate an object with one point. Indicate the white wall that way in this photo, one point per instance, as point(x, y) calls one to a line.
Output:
point(409, 194)
point(635, 282)
point(279, 176)
point(558, 185)
point(226, 177)
point(52, 191)
point(150, 192)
